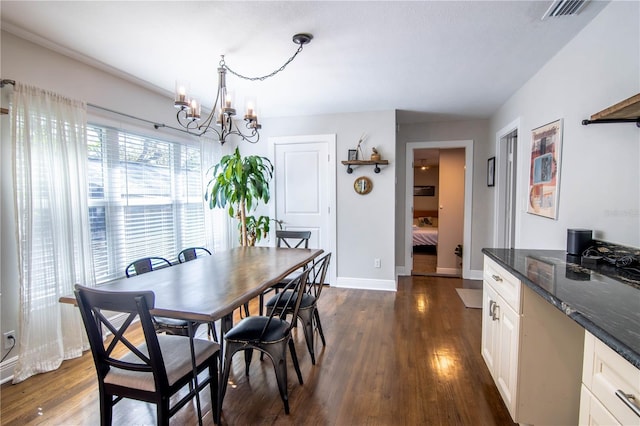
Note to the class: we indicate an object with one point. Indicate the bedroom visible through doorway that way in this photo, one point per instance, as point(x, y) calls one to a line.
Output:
point(438, 211)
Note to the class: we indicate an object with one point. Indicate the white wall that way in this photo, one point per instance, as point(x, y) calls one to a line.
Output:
point(599, 177)
point(365, 228)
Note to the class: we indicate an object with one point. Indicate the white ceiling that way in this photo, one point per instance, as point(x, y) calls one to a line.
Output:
point(431, 59)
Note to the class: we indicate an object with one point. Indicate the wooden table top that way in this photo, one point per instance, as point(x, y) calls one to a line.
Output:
point(211, 287)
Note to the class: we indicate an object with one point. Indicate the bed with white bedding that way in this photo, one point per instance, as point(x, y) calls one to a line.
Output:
point(425, 230)
point(426, 235)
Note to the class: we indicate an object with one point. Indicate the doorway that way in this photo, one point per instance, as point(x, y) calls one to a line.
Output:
point(445, 208)
point(506, 172)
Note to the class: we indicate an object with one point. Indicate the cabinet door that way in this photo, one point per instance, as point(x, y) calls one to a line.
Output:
point(507, 369)
point(489, 346)
point(592, 412)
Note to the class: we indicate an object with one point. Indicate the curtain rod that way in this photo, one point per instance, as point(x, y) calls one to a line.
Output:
point(4, 82)
point(155, 125)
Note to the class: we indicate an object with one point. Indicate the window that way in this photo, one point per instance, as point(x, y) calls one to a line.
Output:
point(145, 199)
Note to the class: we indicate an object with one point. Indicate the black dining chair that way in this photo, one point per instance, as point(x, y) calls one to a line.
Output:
point(146, 264)
point(192, 253)
point(286, 239)
point(270, 335)
point(308, 312)
point(153, 371)
point(163, 324)
point(292, 239)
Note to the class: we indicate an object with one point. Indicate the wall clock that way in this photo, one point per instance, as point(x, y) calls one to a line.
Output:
point(363, 185)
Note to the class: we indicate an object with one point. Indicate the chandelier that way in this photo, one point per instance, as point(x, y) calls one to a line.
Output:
point(220, 119)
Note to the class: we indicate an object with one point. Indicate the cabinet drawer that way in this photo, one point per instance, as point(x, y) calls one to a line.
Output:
point(507, 286)
point(606, 373)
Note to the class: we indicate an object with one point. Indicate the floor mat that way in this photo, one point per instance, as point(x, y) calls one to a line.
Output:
point(472, 298)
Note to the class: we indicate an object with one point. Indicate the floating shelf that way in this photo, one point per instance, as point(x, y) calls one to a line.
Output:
point(627, 111)
point(376, 169)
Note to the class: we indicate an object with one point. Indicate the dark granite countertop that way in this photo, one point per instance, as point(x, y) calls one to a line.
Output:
point(607, 307)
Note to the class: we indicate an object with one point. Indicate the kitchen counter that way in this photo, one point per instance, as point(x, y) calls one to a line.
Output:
point(608, 308)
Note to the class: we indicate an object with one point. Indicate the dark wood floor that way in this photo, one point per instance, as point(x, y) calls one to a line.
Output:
point(410, 357)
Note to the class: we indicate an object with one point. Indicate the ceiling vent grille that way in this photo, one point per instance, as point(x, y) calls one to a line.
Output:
point(564, 8)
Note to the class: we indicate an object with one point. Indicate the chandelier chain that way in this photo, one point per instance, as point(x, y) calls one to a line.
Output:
point(264, 77)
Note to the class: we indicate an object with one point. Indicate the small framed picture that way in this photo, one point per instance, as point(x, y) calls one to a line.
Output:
point(353, 155)
point(491, 171)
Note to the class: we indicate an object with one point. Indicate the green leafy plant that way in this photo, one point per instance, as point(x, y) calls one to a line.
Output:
point(257, 228)
point(239, 184)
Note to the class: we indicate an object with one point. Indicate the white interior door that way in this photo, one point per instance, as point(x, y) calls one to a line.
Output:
point(305, 193)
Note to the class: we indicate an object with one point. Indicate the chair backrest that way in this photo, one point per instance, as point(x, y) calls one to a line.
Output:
point(290, 300)
point(192, 253)
point(108, 353)
point(293, 239)
point(146, 264)
point(317, 275)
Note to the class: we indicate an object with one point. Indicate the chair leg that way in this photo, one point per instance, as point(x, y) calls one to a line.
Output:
point(277, 353)
point(319, 325)
point(163, 412)
point(294, 359)
point(306, 316)
point(106, 409)
point(213, 389)
point(229, 351)
point(248, 354)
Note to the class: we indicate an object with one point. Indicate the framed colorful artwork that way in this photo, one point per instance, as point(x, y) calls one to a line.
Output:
point(544, 173)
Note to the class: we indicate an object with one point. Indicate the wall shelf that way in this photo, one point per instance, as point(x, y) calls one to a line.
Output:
point(627, 111)
point(351, 163)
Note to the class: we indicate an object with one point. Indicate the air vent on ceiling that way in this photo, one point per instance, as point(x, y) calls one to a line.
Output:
point(564, 8)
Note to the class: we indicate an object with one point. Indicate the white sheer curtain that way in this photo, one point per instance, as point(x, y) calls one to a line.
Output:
point(53, 235)
point(217, 221)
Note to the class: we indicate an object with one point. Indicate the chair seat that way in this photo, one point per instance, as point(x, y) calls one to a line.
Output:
point(176, 354)
point(171, 322)
point(307, 300)
point(250, 329)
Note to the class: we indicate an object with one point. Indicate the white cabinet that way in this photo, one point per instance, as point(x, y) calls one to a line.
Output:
point(500, 324)
point(611, 387)
point(533, 351)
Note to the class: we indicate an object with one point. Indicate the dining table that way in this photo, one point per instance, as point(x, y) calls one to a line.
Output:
point(211, 288)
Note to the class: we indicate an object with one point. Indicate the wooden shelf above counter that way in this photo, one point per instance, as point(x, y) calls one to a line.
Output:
point(627, 111)
point(350, 163)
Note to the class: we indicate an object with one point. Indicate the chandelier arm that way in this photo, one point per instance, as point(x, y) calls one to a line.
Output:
point(264, 77)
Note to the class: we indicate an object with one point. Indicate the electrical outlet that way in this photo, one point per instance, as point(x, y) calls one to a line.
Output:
point(376, 263)
point(9, 339)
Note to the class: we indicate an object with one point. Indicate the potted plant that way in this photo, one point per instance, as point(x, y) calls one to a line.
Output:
point(241, 183)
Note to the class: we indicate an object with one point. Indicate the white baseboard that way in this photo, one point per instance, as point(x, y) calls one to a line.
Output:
point(401, 271)
point(454, 272)
point(475, 274)
point(366, 284)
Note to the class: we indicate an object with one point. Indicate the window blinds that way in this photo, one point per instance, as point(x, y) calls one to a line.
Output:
point(145, 199)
